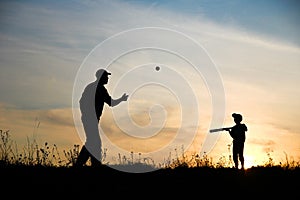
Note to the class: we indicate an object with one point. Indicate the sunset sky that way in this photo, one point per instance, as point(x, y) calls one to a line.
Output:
point(215, 58)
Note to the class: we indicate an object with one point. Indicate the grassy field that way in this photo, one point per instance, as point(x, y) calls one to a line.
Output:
point(38, 172)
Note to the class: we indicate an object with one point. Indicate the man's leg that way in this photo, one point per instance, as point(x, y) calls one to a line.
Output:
point(93, 145)
point(82, 157)
point(95, 162)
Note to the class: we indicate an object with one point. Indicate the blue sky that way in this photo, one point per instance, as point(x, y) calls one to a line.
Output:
point(275, 18)
point(254, 44)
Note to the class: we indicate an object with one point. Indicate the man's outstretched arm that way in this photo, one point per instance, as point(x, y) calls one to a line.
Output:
point(115, 102)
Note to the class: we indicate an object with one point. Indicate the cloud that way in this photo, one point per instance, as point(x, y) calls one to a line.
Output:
point(262, 142)
point(55, 126)
point(259, 18)
point(57, 117)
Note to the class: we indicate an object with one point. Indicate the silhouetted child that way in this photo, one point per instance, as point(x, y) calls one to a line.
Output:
point(238, 133)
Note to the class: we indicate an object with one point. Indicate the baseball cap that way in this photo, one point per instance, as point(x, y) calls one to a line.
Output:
point(101, 72)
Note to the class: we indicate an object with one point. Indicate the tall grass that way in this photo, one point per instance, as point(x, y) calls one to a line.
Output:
point(34, 154)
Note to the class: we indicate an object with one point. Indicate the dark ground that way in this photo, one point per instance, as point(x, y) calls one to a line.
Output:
point(83, 183)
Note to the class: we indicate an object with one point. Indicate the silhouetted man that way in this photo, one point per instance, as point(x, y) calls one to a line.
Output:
point(91, 105)
point(238, 133)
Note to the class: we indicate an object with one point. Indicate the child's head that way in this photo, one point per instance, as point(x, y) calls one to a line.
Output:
point(237, 118)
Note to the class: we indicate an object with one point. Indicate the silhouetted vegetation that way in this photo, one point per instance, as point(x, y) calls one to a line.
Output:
point(43, 168)
point(46, 155)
